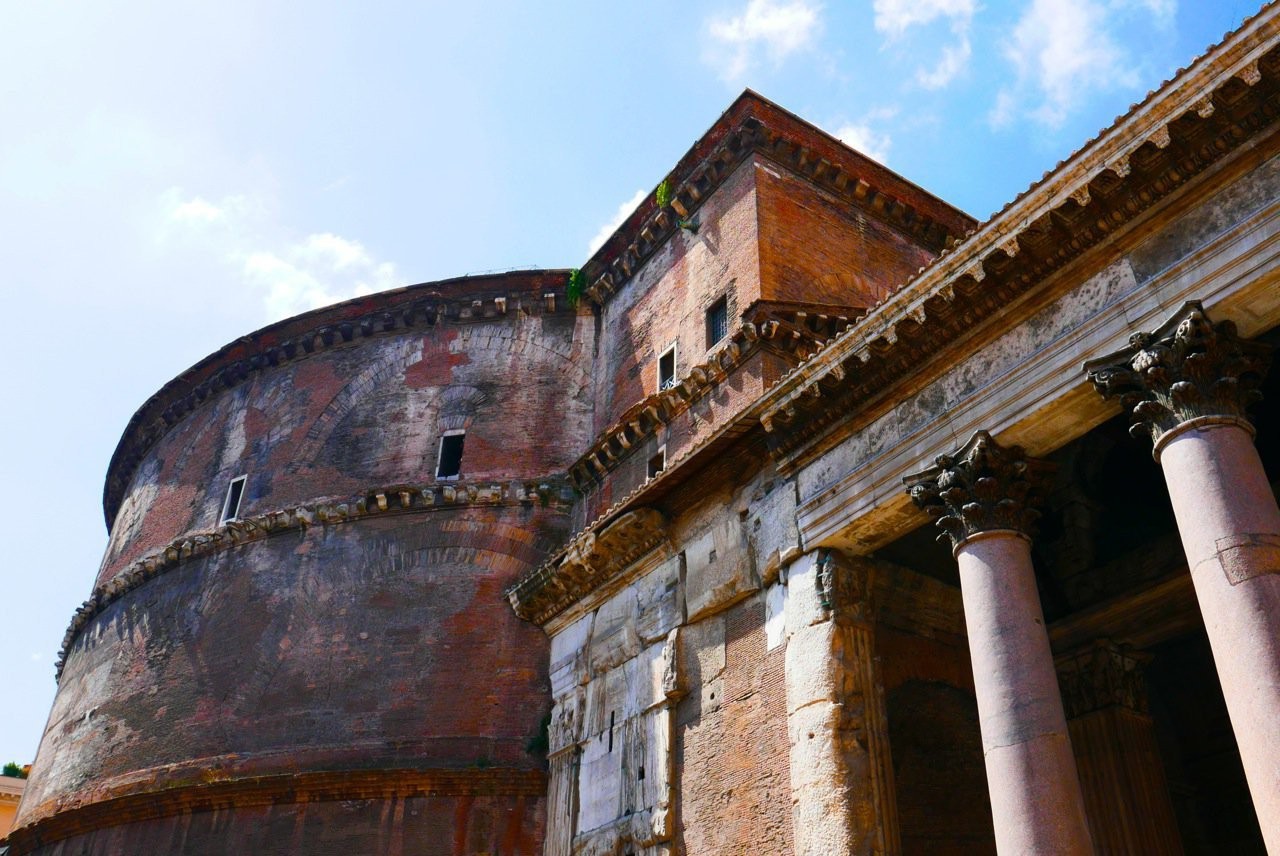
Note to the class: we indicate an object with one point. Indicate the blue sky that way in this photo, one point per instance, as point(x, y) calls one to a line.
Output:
point(174, 175)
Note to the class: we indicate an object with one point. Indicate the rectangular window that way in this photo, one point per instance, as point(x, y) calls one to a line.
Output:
point(717, 321)
point(667, 369)
point(231, 505)
point(658, 462)
point(450, 463)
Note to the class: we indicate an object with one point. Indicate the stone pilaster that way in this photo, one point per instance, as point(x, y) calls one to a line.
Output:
point(841, 771)
point(1187, 386)
point(979, 497)
point(1122, 775)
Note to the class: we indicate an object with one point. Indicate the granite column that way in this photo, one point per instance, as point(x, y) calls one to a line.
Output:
point(979, 497)
point(1188, 385)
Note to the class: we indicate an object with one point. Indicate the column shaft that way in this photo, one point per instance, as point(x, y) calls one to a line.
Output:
point(1230, 528)
point(1035, 792)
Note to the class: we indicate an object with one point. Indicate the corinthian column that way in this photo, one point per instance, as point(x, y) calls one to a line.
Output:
point(1188, 385)
point(979, 498)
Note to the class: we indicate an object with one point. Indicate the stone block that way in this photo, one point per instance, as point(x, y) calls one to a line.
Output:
point(702, 650)
point(775, 616)
point(569, 650)
point(771, 526)
point(606, 700)
point(599, 783)
point(718, 569)
point(649, 676)
point(659, 601)
point(566, 720)
point(614, 639)
point(804, 606)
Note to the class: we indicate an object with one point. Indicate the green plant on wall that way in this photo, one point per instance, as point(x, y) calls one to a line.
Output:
point(13, 771)
point(577, 285)
point(662, 195)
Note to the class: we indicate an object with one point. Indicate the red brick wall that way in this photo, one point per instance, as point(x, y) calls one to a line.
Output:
point(347, 419)
point(733, 764)
point(815, 248)
point(667, 298)
point(404, 826)
point(381, 643)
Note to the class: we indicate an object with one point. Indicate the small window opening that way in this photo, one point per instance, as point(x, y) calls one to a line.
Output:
point(450, 463)
point(667, 369)
point(611, 715)
point(231, 505)
point(658, 462)
point(717, 321)
point(641, 775)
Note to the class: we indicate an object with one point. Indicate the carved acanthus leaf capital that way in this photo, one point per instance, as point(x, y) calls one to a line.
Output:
point(1103, 675)
point(1189, 368)
point(981, 487)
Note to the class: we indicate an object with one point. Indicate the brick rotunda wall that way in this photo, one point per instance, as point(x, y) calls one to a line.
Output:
point(339, 668)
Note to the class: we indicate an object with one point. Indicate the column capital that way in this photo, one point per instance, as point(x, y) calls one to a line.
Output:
point(981, 487)
point(1102, 674)
point(1188, 370)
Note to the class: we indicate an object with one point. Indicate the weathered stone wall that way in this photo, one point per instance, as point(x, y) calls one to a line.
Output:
point(417, 825)
point(339, 669)
point(665, 733)
point(357, 417)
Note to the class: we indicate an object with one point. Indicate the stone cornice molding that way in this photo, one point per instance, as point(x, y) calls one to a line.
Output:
point(1226, 99)
point(1188, 371)
point(982, 487)
point(457, 301)
point(795, 333)
point(593, 557)
point(551, 491)
point(754, 125)
point(1100, 676)
point(289, 788)
point(1206, 112)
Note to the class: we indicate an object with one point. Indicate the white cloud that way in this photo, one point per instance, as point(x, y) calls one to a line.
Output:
point(623, 212)
point(316, 271)
point(895, 17)
point(953, 61)
point(779, 28)
point(197, 209)
point(860, 136)
point(1063, 51)
point(287, 275)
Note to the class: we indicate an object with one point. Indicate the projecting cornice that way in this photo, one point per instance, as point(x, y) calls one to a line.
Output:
point(792, 331)
point(1227, 98)
point(462, 300)
point(550, 491)
point(592, 558)
point(755, 125)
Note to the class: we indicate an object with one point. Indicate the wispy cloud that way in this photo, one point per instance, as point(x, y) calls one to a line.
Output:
point(318, 270)
point(287, 275)
point(894, 18)
point(861, 136)
point(1063, 51)
point(775, 28)
point(624, 211)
